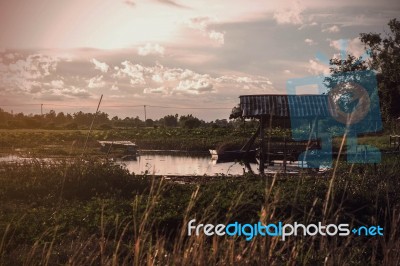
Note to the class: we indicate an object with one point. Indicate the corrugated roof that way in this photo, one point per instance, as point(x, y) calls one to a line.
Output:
point(285, 105)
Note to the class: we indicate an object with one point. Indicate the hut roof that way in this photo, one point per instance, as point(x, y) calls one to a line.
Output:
point(285, 106)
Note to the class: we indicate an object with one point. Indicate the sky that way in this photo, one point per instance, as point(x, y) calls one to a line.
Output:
point(174, 56)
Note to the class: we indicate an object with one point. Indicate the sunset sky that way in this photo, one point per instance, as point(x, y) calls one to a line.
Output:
point(179, 54)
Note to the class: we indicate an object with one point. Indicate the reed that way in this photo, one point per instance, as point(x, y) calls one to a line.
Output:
point(92, 212)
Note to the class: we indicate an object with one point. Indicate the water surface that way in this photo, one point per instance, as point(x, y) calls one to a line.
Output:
point(178, 164)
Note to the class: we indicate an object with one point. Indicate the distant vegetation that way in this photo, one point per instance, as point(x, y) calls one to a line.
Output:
point(81, 120)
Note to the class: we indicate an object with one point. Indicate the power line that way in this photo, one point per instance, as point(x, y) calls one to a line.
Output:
point(22, 104)
point(175, 107)
point(118, 106)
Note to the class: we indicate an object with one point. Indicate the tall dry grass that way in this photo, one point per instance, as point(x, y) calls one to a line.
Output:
point(134, 241)
point(136, 238)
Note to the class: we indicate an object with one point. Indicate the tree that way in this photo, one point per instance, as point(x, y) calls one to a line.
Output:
point(351, 69)
point(149, 122)
point(137, 122)
point(189, 121)
point(60, 118)
point(82, 118)
point(102, 118)
point(385, 59)
point(171, 120)
point(51, 115)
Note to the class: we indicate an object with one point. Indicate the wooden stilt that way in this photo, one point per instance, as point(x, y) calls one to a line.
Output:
point(262, 151)
point(246, 147)
point(269, 139)
point(284, 156)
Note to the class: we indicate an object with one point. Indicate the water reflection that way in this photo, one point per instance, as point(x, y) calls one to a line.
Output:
point(178, 164)
point(181, 164)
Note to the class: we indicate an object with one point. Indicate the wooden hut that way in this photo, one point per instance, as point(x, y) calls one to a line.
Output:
point(278, 110)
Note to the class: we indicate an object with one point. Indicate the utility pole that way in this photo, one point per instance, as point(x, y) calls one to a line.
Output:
point(41, 109)
point(145, 115)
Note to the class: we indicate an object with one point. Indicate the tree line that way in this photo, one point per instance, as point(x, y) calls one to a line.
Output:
point(81, 120)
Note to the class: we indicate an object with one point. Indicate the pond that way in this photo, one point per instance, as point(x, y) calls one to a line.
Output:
point(195, 165)
point(182, 164)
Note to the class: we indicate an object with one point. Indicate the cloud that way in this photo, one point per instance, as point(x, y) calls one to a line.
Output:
point(317, 68)
point(195, 86)
point(199, 23)
point(171, 3)
point(96, 82)
point(37, 76)
point(114, 88)
point(159, 79)
point(308, 25)
point(310, 42)
point(134, 72)
point(165, 2)
point(103, 67)
point(159, 90)
point(332, 29)
point(35, 66)
point(351, 46)
point(151, 49)
point(173, 80)
point(203, 24)
point(26, 75)
point(217, 36)
point(290, 15)
point(130, 3)
point(191, 82)
point(53, 79)
point(255, 84)
point(9, 56)
point(58, 84)
point(76, 92)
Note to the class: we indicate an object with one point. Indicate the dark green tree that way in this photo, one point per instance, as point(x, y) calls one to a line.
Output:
point(189, 121)
point(385, 59)
point(171, 120)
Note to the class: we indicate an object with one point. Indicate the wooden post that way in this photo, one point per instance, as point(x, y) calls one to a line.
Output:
point(262, 161)
point(91, 126)
point(246, 147)
point(284, 155)
point(269, 138)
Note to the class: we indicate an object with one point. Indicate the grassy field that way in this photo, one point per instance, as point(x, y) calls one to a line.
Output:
point(63, 142)
point(82, 213)
point(39, 143)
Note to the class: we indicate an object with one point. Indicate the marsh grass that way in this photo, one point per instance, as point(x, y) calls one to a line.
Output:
point(56, 143)
point(85, 212)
